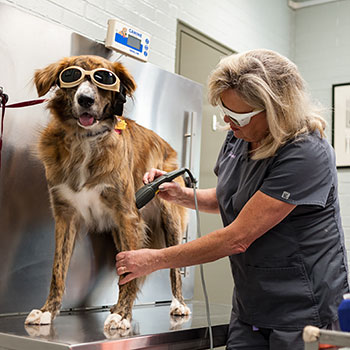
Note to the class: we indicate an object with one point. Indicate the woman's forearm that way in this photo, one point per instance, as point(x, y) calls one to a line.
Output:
point(208, 248)
point(137, 263)
point(206, 198)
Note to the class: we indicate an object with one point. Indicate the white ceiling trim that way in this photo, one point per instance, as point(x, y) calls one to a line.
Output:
point(297, 4)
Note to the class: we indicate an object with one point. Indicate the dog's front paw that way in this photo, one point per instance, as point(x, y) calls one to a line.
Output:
point(38, 317)
point(176, 322)
point(117, 333)
point(179, 309)
point(43, 330)
point(115, 321)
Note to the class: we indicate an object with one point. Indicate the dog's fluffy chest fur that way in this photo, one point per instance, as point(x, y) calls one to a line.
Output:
point(87, 202)
point(80, 177)
point(80, 163)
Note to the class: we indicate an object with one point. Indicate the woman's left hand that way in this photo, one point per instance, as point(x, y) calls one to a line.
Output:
point(136, 263)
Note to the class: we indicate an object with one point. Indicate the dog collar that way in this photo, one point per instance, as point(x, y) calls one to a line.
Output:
point(120, 125)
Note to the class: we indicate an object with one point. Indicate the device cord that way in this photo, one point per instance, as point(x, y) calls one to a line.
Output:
point(201, 266)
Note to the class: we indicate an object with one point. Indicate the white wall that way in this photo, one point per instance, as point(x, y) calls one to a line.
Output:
point(239, 24)
point(322, 53)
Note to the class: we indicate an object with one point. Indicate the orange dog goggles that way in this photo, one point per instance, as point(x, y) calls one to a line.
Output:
point(101, 77)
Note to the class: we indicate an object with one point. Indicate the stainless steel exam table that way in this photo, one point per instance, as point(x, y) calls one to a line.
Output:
point(152, 328)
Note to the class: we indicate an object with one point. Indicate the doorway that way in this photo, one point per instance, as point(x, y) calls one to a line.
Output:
point(196, 56)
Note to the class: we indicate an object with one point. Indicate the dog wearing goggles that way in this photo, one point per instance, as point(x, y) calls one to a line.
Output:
point(94, 162)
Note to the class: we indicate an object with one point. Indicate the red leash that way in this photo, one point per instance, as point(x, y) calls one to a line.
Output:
point(3, 102)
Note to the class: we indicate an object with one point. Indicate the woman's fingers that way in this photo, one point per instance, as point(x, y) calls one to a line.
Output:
point(135, 263)
point(121, 270)
point(145, 178)
point(151, 175)
point(126, 278)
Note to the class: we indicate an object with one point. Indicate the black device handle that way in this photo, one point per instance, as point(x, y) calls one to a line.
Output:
point(147, 192)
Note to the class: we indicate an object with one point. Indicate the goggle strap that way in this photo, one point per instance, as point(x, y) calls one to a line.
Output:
point(121, 99)
point(121, 95)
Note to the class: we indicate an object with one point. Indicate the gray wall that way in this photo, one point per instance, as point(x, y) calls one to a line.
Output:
point(322, 53)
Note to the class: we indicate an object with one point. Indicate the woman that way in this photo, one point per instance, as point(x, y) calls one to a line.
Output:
point(277, 196)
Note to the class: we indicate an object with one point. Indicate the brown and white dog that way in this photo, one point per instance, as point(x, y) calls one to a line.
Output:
point(93, 171)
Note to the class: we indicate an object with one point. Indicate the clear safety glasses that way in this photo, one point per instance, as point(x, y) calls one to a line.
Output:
point(240, 119)
point(101, 77)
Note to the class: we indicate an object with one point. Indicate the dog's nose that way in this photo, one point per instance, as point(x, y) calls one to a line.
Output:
point(85, 101)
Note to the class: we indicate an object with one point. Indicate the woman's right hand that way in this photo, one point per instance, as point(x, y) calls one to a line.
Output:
point(170, 191)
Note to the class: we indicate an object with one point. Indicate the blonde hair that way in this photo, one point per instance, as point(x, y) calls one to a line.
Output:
point(266, 80)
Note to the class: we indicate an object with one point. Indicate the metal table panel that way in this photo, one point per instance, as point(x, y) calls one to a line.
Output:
point(152, 328)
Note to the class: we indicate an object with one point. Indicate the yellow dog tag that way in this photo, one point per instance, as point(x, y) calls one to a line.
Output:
point(121, 124)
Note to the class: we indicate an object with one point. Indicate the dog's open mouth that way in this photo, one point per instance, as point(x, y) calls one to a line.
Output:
point(86, 119)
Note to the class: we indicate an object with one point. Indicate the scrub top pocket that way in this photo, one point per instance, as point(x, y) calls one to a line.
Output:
point(279, 293)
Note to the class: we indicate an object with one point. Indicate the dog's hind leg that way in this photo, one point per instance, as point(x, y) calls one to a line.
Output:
point(173, 224)
point(65, 234)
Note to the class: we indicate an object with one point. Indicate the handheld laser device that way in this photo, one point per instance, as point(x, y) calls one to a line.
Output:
point(147, 192)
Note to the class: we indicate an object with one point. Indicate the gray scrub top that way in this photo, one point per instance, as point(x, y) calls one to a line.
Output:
point(296, 273)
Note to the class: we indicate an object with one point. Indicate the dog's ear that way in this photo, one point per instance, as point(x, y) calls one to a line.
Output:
point(46, 78)
point(125, 78)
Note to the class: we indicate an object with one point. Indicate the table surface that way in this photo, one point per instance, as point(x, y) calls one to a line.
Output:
point(152, 327)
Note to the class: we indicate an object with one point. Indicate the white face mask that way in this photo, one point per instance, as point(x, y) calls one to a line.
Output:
point(239, 119)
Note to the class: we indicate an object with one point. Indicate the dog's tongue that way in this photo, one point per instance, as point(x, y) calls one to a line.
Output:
point(86, 119)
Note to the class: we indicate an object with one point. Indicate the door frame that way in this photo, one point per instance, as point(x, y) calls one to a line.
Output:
point(183, 27)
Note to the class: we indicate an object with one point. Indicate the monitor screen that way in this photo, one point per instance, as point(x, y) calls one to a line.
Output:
point(134, 42)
